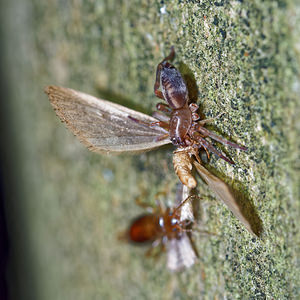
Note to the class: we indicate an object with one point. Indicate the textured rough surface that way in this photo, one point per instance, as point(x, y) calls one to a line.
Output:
point(244, 59)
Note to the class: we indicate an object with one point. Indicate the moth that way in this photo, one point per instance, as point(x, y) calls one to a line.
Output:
point(106, 127)
point(221, 190)
point(167, 228)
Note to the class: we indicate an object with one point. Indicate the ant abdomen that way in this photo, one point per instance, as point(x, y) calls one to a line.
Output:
point(144, 229)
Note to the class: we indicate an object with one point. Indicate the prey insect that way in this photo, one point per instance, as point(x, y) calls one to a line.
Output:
point(167, 229)
point(183, 162)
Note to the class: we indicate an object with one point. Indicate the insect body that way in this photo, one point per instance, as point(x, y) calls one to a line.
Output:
point(166, 227)
point(218, 186)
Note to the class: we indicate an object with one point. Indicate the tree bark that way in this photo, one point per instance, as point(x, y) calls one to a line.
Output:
point(66, 206)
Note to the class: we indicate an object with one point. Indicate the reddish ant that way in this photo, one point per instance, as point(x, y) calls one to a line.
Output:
point(167, 228)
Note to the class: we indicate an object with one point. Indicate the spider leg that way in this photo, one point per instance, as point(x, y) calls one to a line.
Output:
point(193, 107)
point(171, 56)
point(161, 117)
point(199, 157)
point(219, 139)
point(205, 121)
point(210, 147)
point(160, 124)
point(163, 107)
point(207, 153)
point(158, 93)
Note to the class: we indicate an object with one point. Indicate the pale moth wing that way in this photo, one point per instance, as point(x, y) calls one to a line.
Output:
point(180, 253)
point(104, 126)
point(186, 209)
point(224, 194)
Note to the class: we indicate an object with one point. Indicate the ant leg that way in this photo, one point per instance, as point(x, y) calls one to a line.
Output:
point(219, 139)
point(151, 251)
point(210, 147)
point(147, 206)
point(160, 207)
point(189, 198)
point(199, 157)
point(139, 201)
point(207, 153)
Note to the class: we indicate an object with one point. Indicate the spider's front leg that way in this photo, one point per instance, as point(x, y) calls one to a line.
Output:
point(163, 112)
point(163, 108)
point(157, 92)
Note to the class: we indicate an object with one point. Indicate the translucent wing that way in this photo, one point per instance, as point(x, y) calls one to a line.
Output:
point(184, 203)
point(223, 193)
point(104, 126)
point(180, 253)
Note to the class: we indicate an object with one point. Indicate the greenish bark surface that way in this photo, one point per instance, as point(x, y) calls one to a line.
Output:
point(71, 204)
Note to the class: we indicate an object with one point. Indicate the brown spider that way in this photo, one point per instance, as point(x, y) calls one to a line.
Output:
point(185, 129)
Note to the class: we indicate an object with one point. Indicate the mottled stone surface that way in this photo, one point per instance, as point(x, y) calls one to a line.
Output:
point(71, 204)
